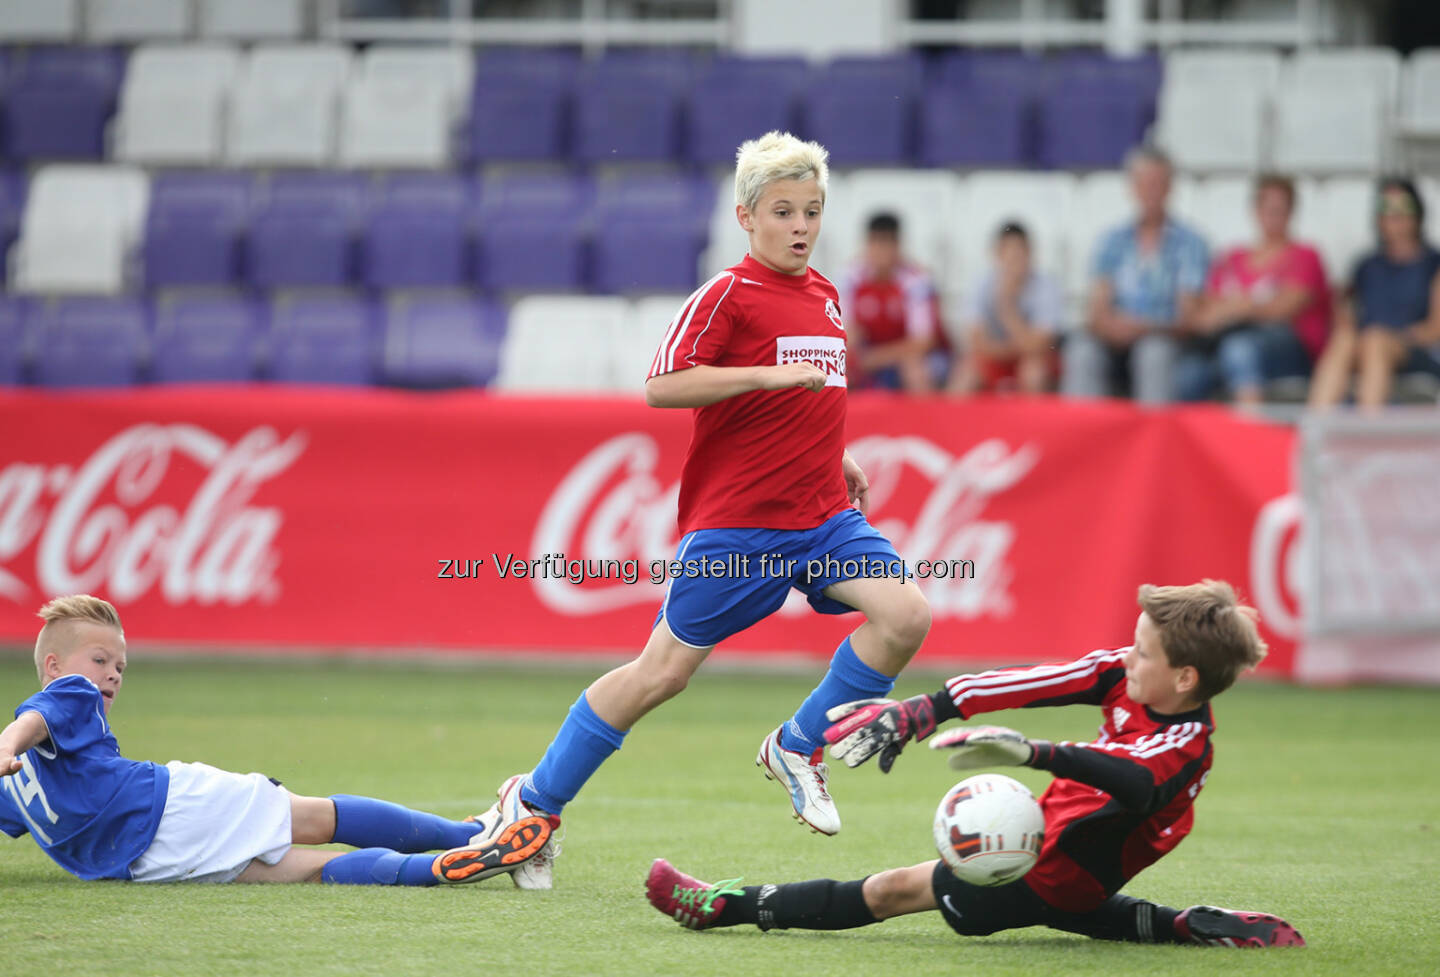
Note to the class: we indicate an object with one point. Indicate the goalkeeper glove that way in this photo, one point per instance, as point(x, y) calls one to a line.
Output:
point(991, 746)
point(869, 726)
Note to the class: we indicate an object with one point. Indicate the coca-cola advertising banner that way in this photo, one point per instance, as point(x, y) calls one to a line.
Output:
point(326, 520)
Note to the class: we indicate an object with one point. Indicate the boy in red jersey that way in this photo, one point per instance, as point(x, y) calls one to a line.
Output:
point(1116, 806)
point(759, 353)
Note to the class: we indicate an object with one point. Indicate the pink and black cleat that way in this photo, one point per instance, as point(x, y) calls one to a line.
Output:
point(693, 904)
point(1211, 926)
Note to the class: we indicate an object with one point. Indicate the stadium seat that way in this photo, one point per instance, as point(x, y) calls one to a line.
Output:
point(734, 99)
point(303, 234)
point(417, 233)
point(136, 20)
point(1350, 70)
point(205, 339)
point(195, 228)
point(172, 104)
point(12, 206)
point(90, 342)
point(79, 225)
point(531, 231)
point(283, 108)
point(15, 316)
point(391, 122)
point(1215, 129)
point(1337, 216)
point(561, 344)
point(1090, 127)
point(1421, 95)
point(1221, 209)
point(627, 112)
point(1100, 202)
point(450, 66)
point(59, 100)
point(433, 342)
point(924, 200)
point(29, 21)
point(981, 126)
point(252, 20)
point(649, 232)
point(862, 110)
point(323, 339)
point(639, 337)
point(1256, 69)
point(1040, 201)
point(519, 119)
point(1330, 132)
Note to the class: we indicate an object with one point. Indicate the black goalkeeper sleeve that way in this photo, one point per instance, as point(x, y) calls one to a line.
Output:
point(944, 707)
point(1128, 782)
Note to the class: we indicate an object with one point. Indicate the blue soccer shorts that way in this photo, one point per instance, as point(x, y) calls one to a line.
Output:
point(724, 580)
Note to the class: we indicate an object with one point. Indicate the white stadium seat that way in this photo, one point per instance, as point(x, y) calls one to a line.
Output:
point(639, 339)
point(252, 20)
point(1221, 210)
point(1201, 68)
point(283, 110)
point(1214, 128)
point(922, 199)
point(1334, 131)
point(1101, 201)
point(1337, 216)
point(1040, 201)
point(136, 20)
point(39, 20)
point(79, 226)
point(172, 104)
point(561, 344)
point(395, 122)
point(1420, 110)
point(1374, 69)
point(449, 65)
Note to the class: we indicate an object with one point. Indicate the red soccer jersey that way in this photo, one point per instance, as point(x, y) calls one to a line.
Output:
point(765, 459)
point(1095, 842)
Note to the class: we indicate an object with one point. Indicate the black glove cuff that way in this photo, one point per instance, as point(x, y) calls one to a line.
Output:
point(944, 707)
point(1042, 752)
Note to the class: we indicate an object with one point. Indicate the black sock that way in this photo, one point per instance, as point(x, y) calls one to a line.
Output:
point(1122, 918)
point(820, 904)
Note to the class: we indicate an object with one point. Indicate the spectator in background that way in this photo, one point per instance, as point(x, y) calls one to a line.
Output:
point(1011, 320)
point(890, 314)
point(1267, 305)
point(1389, 321)
point(1145, 296)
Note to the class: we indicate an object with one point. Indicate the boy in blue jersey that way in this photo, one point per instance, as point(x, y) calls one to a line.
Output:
point(101, 816)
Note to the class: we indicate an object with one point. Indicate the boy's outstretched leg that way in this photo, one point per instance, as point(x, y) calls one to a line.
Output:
point(1133, 920)
point(365, 822)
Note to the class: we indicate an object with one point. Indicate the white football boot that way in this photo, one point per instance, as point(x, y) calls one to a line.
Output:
point(539, 871)
point(804, 776)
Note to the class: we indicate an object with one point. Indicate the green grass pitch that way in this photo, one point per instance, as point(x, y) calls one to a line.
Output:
point(1322, 807)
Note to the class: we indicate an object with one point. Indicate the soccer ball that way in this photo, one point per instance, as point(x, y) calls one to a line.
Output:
point(989, 829)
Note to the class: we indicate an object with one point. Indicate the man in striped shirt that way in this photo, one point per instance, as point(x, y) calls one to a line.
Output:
point(1117, 804)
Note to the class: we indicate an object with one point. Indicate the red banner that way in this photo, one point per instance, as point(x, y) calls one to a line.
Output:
point(382, 519)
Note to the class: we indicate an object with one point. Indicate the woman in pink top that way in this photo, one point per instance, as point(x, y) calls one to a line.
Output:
point(1268, 306)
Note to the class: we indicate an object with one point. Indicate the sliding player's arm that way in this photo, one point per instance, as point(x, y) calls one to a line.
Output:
point(700, 386)
point(27, 731)
point(868, 727)
point(1143, 776)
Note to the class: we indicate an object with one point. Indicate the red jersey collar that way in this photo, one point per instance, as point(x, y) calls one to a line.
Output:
point(754, 269)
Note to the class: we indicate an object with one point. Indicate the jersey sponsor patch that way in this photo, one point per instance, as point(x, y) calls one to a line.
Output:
point(825, 352)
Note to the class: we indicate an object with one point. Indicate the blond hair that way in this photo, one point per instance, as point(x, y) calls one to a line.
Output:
point(1204, 626)
point(777, 156)
point(58, 613)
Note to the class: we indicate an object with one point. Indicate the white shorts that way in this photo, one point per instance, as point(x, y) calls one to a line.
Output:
point(215, 823)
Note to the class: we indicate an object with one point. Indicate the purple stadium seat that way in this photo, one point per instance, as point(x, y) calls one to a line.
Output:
point(195, 227)
point(1014, 71)
point(1094, 70)
point(647, 255)
point(443, 342)
point(323, 340)
point(548, 64)
point(1089, 129)
point(303, 234)
point(531, 232)
point(671, 196)
point(59, 100)
point(862, 109)
point(14, 339)
point(417, 233)
point(519, 118)
point(625, 121)
point(205, 339)
point(12, 207)
point(90, 342)
point(975, 127)
point(736, 99)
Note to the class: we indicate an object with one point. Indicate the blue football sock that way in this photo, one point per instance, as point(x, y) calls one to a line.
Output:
point(583, 743)
point(847, 680)
point(379, 866)
point(365, 822)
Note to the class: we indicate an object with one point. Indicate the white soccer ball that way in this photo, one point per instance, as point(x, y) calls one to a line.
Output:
point(989, 829)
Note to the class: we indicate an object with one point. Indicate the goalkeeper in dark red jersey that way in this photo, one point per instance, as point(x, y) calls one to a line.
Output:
point(1117, 804)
